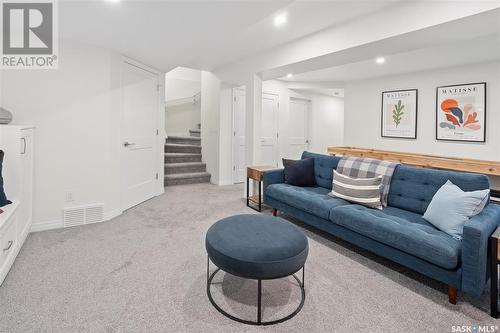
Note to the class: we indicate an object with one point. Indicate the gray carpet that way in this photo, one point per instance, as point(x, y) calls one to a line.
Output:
point(145, 272)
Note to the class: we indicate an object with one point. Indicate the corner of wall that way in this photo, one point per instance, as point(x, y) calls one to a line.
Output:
point(210, 123)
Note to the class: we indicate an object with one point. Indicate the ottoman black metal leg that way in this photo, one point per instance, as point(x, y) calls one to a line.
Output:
point(208, 269)
point(259, 300)
point(303, 277)
point(248, 192)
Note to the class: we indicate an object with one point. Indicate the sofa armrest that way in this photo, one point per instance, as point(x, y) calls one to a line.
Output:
point(475, 254)
point(276, 176)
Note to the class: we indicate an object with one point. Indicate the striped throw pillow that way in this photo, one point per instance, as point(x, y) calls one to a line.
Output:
point(362, 191)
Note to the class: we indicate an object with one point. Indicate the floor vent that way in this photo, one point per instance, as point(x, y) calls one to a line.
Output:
point(83, 215)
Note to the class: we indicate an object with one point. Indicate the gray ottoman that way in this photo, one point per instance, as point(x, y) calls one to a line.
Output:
point(258, 247)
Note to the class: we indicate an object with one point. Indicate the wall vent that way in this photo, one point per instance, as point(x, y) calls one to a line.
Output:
point(73, 216)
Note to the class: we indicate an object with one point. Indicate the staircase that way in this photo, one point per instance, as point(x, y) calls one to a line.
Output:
point(195, 132)
point(183, 160)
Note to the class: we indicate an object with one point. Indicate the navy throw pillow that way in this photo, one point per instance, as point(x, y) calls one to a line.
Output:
point(3, 198)
point(299, 173)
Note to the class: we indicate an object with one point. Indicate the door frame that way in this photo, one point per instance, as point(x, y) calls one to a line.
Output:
point(233, 132)
point(233, 139)
point(160, 128)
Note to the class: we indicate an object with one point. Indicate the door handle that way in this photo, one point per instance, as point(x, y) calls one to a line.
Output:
point(8, 246)
point(24, 146)
point(127, 144)
point(307, 141)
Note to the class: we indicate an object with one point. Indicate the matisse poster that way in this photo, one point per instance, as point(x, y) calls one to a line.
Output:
point(461, 112)
point(399, 114)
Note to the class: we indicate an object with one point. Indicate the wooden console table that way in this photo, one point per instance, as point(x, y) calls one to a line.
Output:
point(491, 168)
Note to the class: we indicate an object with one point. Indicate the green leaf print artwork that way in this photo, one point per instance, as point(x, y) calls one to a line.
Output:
point(398, 113)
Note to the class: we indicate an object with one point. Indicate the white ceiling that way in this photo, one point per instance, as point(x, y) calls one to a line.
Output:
point(199, 34)
point(477, 50)
point(472, 39)
point(183, 73)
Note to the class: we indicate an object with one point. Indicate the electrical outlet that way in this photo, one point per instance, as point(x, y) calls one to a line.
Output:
point(69, 196)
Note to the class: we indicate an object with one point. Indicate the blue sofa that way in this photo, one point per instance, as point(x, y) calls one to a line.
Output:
point(398, 232)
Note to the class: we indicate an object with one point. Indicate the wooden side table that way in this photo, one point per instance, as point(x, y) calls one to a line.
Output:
point(256, 173)
point(495, 262)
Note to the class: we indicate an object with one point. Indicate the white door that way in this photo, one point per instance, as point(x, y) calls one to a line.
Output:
point(269, 130)
point(140, 98)
point(239, 166)
point(299, 125)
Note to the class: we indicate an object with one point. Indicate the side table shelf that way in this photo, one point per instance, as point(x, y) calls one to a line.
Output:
point(256, 173)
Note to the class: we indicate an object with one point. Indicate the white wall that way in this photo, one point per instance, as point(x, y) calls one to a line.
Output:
point(362, 112)
point(226, 137)
point(210, 123)
point(178, 88)
point(327, 122)
point(74, 109)
point(180, 118)
point(182, 95)
point(326, 126)
point(1, 83)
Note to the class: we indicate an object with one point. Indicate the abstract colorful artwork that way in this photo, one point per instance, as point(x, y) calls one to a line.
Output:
point(461, 112)
point(399, 114)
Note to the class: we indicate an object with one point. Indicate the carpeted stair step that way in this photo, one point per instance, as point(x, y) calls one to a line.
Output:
point(187, 178)
point(175, 168)
point(186, 140)
point(182, 158)
point(195, 133)
point(182, 148)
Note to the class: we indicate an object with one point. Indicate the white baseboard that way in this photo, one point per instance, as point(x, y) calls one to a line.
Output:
point(49, 225)
point(58, 224)
point(225, 182)
point(111, 215)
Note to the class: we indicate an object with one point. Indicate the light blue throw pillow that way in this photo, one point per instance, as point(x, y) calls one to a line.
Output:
point(451, 207)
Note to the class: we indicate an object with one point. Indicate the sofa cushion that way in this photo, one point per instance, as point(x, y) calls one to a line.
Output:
point(363, 191)
point(323, 168)
point(413, 188)
point(314, 200)
point(451, 207)
point(3, 198)
point(403, 230)
point(299, 172)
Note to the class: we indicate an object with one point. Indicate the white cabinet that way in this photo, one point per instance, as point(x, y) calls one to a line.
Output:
point(17, 142)
point(9, 241)
point(26, 182)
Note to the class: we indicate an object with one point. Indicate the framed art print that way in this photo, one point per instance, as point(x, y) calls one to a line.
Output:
point(399, 114)
point(461, 112)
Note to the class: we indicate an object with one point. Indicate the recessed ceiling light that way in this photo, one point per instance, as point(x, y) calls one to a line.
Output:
point(279, 20)
point(380, 60)
point(289, 75)
point(113, 0)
